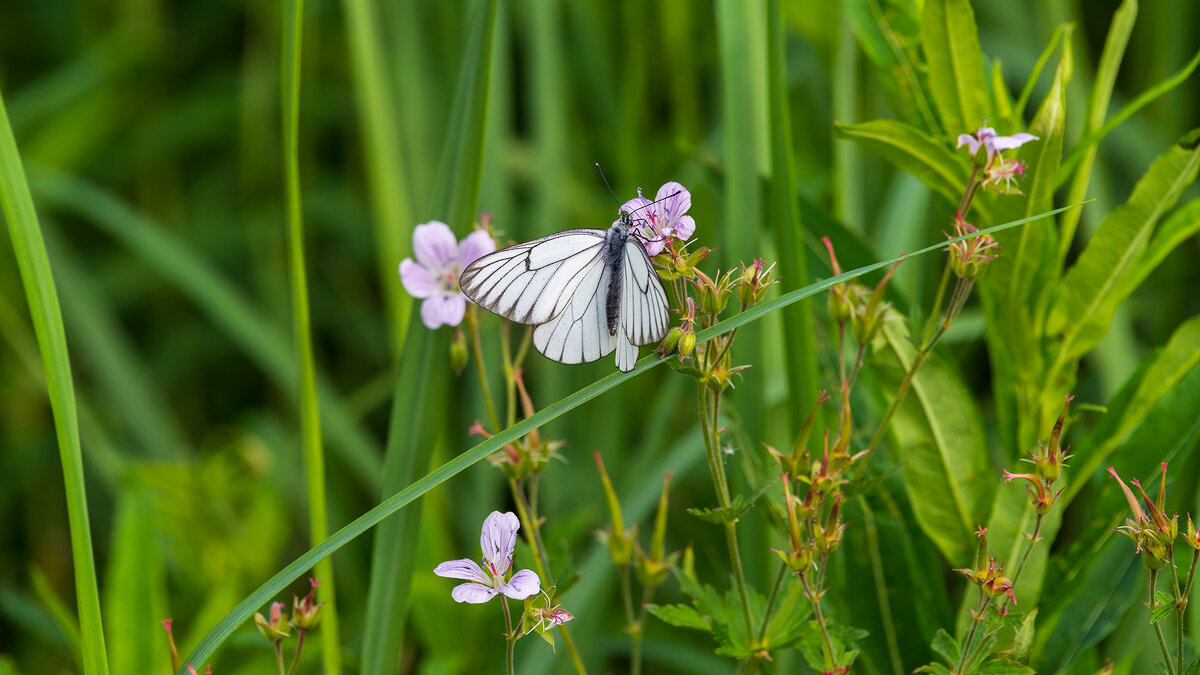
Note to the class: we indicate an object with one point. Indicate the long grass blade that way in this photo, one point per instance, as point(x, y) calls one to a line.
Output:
point(44, 309)
point(366, 521)
point(310, 412)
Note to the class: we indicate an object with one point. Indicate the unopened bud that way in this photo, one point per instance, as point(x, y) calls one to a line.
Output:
point(274, 629)
point(687, 342)
point(458, 351)
point(671, 342)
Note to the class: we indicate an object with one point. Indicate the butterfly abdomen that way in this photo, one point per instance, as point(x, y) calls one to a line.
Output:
point(614, 260)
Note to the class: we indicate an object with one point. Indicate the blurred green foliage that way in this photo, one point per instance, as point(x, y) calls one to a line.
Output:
point(150, 134)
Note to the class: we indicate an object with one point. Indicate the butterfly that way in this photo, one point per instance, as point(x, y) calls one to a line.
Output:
point(587, 292)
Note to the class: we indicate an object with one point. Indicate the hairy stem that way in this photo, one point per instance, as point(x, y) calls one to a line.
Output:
point(712, 444)
point(631, 624)
point(1037, 530)
point(814, 597)
point(481, 368)
point(984, 601)
point(299, 647)
point(1178, 608)
point(510, 638)
point(1162, 643)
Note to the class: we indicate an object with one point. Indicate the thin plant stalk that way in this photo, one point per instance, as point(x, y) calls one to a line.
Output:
point(1162, 643)
point(299, 647)
point(984, 601)
point(279, 657)
point(635, 629)
point(510, 638)
point(1037, 530)
point(310, 416)
point(815, 599)
point(481, 368)
point(1178, 612)
point(712, 446)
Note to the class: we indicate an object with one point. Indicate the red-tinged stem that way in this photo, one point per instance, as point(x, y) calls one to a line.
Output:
point(1162, 643)
point(299, 647)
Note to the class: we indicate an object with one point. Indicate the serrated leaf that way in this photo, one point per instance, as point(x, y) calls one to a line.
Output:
point(954, 62)
point(1002, 666)
point(1023, 641)
point(738, 507)
point(910, 149)
point(941, 444)
point(1193, 669)
point(682, 616)
point(1097, 283)
point(1164, 605)
point(935, 668)
point(946, 646)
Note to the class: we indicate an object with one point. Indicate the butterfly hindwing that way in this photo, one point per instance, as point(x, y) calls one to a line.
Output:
point(578, 333)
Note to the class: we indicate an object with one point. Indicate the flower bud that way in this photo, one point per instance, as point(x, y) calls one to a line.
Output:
point(687, 342)
point(969, 257)
point(671, 342)
point(620, 541)
point(305, 613)
point(1193, 537)
point(274, 629)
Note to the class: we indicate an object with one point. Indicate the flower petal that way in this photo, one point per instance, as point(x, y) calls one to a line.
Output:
point(463, 568)
point(435, 246)
point(498, 538)
point(673, 201)
point(443, 310)
point(1010, 142)
point(684, 228)
point(522, 585)
point(638, 202)
point(473, 247)
point(472, 593)
point(416, 279)
point(971, 142)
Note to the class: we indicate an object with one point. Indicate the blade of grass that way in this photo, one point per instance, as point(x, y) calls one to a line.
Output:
point(387, 179)
point(783, 211)
point(310, 412)
point(42, 297)
point(419, 402)
point(460, 463)
point(231, 311)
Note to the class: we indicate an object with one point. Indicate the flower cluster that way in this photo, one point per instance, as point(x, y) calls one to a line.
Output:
point(998, 172)
point(988, 574)
point(662, 222)
point(1048, 464)
point(969, 257)
point(433, 277)
point(1152, 531)
point(861, 307)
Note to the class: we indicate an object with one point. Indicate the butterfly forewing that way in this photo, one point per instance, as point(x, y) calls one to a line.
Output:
point(531, 283)
point(560, 284)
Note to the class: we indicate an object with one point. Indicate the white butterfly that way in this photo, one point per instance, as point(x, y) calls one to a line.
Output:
point(588, 292)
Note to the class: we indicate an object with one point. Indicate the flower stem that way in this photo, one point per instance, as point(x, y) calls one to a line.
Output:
point(481, 368)
point(279, 657)
point(712, 444)
point(632, 625)
point(509, 638)
point(1162, 643)
point(299, 647)
point(984, 601)
point(1037, 529)
point(771, 599)
point(814, 596)
point(1178, 610)
point(527, 514)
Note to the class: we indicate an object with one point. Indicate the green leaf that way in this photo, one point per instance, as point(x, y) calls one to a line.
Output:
point(1106, 76)
point(935, 668)
point(1193, 669)
point(889, 31)
point(135, 590)
point(738, 507)
point(940, 442)
point(1180, 226)
point(946, 646)
point(1164, 605)
point(1023, 641)
point(1098, 281)
point(1036, 72)
point(910, 149)
point(42, 297)
point(1002, 666)
point(955, 64)
point(682, 616)
point(270, 588)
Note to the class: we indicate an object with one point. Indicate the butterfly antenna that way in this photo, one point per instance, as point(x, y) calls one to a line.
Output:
point(646, 206)
point(610, 190)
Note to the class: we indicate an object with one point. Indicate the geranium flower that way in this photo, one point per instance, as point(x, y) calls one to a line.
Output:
point(663, 218)
point(434, 276)
point(993, 144)
point(498, 539)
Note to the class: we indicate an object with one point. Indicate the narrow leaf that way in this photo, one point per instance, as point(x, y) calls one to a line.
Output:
point(955, 64)
point(914, 151)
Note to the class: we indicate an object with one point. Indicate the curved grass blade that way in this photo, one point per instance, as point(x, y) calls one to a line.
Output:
point(366, 521)
point(310, 411)
point(42, 296)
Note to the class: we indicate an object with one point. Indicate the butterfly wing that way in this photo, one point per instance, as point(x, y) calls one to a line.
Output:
point(579, 333)
point(534, 282)
point(644, 312)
